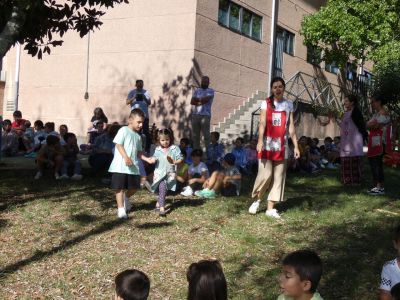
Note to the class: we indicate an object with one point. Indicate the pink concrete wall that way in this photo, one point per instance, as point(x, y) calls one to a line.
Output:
point(151, 40)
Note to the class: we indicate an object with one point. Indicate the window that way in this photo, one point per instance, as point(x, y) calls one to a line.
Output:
point(239, 19)
point(313, 55)
point(288, 40)
point(351, 71)
point(332, 67)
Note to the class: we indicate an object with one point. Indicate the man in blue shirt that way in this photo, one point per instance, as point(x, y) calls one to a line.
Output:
point(201, 112)
point(140, 98)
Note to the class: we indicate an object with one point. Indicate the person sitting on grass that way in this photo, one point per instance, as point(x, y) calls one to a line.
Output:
point(390, 275)
point(215, 152)
point(40, 135)
point(182, 174)
point(198, 174)
point(240, 155)
point(206, 281)
point(301, 273)
point(184, 144)
point(132, 285)
point(71, 158)
point(226, 181)
point(330, 153)
point(50, 155)
point(9, 145)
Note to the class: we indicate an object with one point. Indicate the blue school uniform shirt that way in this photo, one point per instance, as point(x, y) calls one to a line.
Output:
point(240, 157)
point(132, 144)
point(215, 152)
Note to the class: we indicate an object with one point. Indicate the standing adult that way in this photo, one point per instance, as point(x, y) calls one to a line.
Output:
point(276, 124)
point(379, 142)
point(201, 113)
point(352, 136)
point(140, 98)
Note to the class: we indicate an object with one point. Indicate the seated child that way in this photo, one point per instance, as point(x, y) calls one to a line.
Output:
point(240, 155)
point(214, 152)
point(96, 131)
point(9, 140)
point(182, 174)
point(198, 174)
point(50, 155)
point(252, 160)
point(28, 137)
point(184, 144)
point(301, 273)
point(19, 123)
point(330, 153)
point(226, 181)
point(206, 281)
point(39, 134)
point(71, 158)
point(63, 129)
point(132, 285)
point(391, 270)
point(102, 149)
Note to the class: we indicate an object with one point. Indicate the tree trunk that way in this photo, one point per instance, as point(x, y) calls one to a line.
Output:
point(9, 34)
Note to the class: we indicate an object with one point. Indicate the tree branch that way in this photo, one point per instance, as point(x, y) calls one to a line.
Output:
point(11, 30)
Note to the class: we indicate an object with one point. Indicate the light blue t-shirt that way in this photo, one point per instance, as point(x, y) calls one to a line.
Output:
point(140, 104)
point(132, 144)
point(205, 109)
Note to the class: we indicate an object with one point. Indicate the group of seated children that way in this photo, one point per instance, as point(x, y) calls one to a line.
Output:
point(299, 279)
point(314, 158)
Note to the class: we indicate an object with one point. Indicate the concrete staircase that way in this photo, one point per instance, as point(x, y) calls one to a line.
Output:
point(238, 122)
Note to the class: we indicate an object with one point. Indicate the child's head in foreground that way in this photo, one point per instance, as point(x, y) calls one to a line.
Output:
point(132, 285)
point(301, 273)
point(206, 281)
point(136, 118)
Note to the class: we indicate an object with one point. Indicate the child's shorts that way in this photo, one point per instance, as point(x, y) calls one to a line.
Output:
point(229, 191)
point(120, 181)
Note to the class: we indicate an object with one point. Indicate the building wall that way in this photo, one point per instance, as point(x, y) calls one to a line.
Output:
point(151, 40)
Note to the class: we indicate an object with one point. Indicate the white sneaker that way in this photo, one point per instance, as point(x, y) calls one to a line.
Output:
point(64, 176)
point(324, 161)
point(187, 192)
point(272, 213)
point(38, 175)
point(127, 204)
point(254, 207)
point(184, 188)
point(76, 177)
point(122, 213)
point(57, 176)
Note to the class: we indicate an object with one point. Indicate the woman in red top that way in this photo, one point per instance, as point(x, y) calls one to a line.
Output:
point(276, 124)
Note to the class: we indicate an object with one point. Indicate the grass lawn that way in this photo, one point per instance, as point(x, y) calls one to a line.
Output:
point(62, 240)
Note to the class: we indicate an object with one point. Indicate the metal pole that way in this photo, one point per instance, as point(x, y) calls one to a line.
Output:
point(16, 80)
point(274, 20)
point(87, 68)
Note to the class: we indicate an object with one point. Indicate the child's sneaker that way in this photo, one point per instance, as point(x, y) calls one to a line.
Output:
point(187, 192)
point(272, 213)
point(253, 209)
point(201, 192)
point(209, 194)
point(127, 204)
point(57, 176)
point(38, 175)
point(122, 213)
point(64, 176)
point(376, 191)
point(324, 161)
point(76, 177)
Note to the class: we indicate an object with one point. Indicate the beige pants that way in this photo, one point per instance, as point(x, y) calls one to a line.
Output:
point(270, 178)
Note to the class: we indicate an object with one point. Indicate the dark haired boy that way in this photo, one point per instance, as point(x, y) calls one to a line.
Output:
point(198, 174)
point(390, 275)
point(50, 155)
point(71, 158)
point(18, 123)
point(301, 273)
point(132, 285)
point(227, 181)
point(214, 152)
point(125, 180)
point(9, 145)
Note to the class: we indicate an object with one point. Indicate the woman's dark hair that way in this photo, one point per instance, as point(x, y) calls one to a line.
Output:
point(112, 130)
point(357, 116)
point(38, 123)
point(275, 79)
point(132, 285)
point(102, 116)
point(165, 131)
point(66, 130)
point(183, 152)
point(378, 96)
point(206, 281)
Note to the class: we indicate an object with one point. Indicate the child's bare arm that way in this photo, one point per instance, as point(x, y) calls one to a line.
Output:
point(149, 160)
point(121, 150)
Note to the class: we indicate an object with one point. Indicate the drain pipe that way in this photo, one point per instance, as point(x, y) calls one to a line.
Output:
point(274, 20)
point(86, 96)
point(16, 82)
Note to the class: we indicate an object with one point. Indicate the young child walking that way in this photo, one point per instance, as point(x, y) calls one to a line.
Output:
point(124, 167)
point(166, 156)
